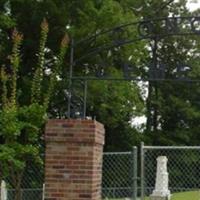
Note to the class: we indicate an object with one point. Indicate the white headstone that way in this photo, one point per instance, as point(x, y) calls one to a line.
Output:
point(43, 191)
point(3, 191)
point(161, 190)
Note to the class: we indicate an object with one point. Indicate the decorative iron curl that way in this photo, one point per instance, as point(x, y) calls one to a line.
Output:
point(153, 29)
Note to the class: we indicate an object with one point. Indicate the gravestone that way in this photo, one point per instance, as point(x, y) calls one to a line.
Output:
point(161, 191)
point(3, 191)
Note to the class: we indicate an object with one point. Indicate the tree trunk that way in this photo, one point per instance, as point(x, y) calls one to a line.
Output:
point(155, 114)
point(1, 179)
point(18, 192)
point(0, 188)
point(149, 107)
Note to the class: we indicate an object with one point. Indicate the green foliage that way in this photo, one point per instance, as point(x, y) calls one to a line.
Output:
point(6, 23)
point(20, 124)
point(4, 79)
point(83, 18)
point(10, 127)
point(171, 108)
point(15, 59)
point(38, 76)
point(57, 68)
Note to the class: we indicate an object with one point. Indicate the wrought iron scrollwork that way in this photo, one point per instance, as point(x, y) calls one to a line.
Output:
point(130, 71)
point(169, 26)
point(100, 69)
point(195, 25)
point(77, 104)
point(182, 72)
point(157, 72)
point(145, 29)
point(172, 25)
point(113, 39)
point(118, 36)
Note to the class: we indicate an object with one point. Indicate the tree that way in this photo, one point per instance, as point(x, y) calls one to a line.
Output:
point(20, 124)
point(84, 18)
point(172, 107)
point(81, 19)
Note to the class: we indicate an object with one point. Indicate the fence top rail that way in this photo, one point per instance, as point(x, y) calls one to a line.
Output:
point(171, 147)
point(117, 153)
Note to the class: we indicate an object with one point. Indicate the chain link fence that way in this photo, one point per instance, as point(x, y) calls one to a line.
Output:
point(31, 185)
point(27, 194)
point(120, 172)
point(183, 168)
point(119, 178)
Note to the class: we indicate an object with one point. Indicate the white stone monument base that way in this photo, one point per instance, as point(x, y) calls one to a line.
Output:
point(159, 197)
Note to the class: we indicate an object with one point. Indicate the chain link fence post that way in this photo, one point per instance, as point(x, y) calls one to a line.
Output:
point(134, 152)
point(142, 170)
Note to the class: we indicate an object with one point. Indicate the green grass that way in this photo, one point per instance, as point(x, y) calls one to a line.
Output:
point(193, 195)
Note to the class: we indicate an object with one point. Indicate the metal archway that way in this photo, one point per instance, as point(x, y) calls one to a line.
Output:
point(152, 30)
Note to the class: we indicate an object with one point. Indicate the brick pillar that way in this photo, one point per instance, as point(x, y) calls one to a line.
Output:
point(73, 159)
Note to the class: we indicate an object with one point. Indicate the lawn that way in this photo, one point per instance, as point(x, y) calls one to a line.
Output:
point(193, 195)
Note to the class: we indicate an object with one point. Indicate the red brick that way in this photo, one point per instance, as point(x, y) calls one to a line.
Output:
point(73, 159)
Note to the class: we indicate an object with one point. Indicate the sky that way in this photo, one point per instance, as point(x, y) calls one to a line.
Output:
point(193, 4)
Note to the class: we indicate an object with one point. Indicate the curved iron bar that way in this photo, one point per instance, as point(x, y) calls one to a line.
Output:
point(171, 28)
point(90, 78)
point(133, 23)
point(108, 47)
